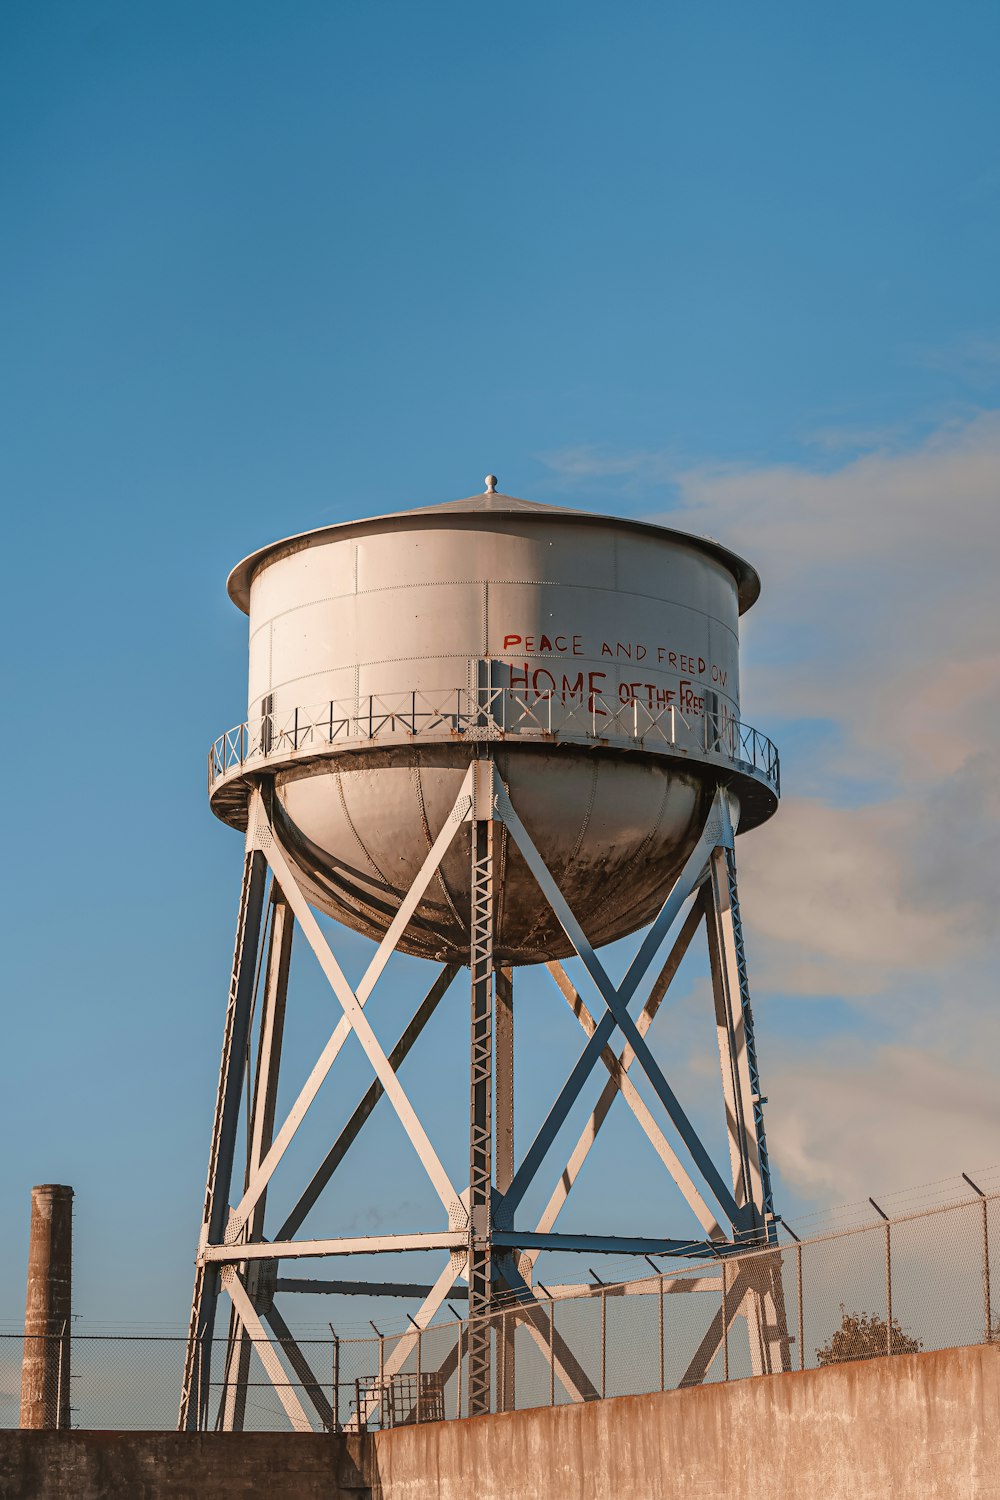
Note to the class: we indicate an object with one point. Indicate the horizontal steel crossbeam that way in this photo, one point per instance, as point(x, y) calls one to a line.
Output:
point(611, 1244)
point(371, 1244)
point(362, 1288)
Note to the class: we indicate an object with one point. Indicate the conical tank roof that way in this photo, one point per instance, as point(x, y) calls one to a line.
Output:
point(489, 502)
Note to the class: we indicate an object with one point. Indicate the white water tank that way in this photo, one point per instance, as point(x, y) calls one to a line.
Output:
point(598, 656)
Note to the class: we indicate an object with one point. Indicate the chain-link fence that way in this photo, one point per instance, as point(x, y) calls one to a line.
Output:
point(891, 1286)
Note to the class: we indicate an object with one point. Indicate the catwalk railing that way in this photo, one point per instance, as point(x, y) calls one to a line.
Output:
point(639, 720)
point(898, 1285)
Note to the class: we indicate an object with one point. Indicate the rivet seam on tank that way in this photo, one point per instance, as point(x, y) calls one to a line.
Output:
point(589, 813)
point(360, 841)
point(553, 583)
point(418, 787)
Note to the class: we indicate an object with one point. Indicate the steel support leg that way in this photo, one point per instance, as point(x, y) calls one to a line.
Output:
point(197, 1363)
point(480, 1267)
point(733, 1019)
point(260, 1130)
point(504, 1130)
point(763, 1305)
point(756, 1097)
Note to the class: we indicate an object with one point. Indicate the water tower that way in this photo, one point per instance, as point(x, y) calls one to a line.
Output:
point(490, 733)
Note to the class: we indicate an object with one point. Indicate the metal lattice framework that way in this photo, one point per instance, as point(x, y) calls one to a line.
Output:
point(480, 1260)
point(481, 1234)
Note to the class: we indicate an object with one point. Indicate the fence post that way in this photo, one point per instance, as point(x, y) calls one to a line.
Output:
point(552, 1352)
point(420, 1374)
point(458, 1375)
point(59, 1377)
point(888, 1275)
point(199, 1424)
point(888, 1286)
point(662, 1360)
point(505, 1359)
point(986, 1275)
point(725, 1321)
point(336, 1379)
point(604, 1343)
point(802, 1335)
point(986, 1258)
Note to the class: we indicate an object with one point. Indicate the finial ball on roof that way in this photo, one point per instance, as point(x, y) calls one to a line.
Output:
point(491, 484)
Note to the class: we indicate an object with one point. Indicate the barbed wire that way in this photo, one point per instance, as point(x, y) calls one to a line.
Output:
point(701, 1258)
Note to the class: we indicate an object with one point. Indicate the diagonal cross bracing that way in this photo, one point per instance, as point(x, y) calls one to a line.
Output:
point(342, 1031)
point(349, 1134)
point(352, 1003)
point(616, 1015)
point(284, 1390)
point(619, 1083)
point(588, 1136)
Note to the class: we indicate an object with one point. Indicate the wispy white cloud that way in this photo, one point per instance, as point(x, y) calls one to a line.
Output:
point(840, 901)
point(859, 1119)
point(880, 617)
point(883, 615)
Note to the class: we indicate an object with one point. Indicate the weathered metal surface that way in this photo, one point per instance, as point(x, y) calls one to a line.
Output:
point(614, 834)
point(596, 626)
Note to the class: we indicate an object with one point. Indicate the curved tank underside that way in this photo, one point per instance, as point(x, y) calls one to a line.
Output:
point(613, 831)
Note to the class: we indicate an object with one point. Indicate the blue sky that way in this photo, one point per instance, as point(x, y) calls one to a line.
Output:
point(265, 267)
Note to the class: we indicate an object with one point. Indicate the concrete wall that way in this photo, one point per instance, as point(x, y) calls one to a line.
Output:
point(923, 1427)
point(179, 1466)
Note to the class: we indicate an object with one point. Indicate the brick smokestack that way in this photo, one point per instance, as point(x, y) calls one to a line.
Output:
point(45, 1368)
